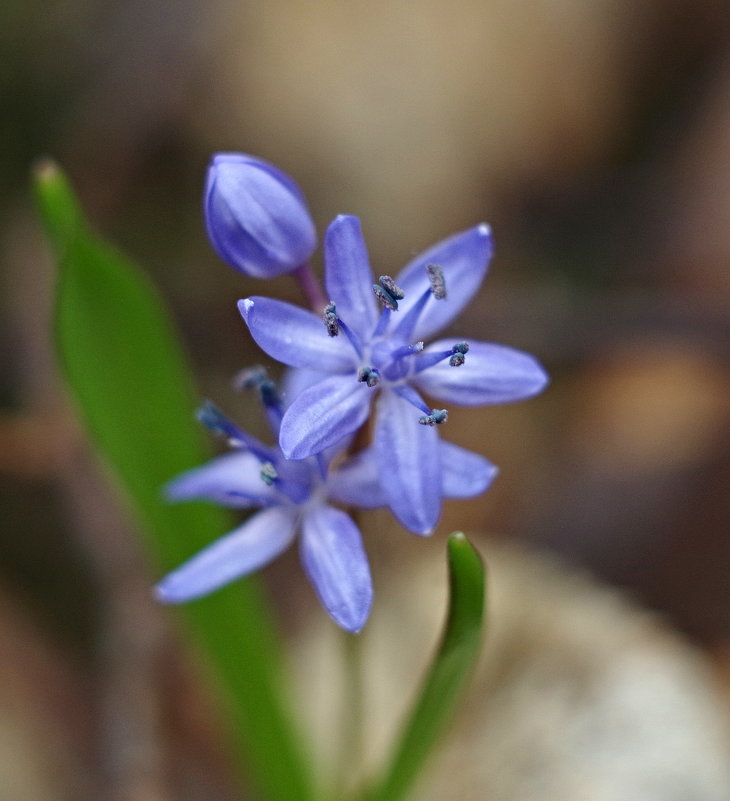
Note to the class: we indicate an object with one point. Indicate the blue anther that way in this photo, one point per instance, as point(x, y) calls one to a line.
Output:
point(458, 353)
point(268, 473)
point(257, 378)
point(390, 287)
point(388, 293)
point(385, 297)
point(436, 418)
point(369, 376)
point(214, 420)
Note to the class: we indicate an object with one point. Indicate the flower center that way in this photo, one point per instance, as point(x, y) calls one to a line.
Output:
point(389, 355)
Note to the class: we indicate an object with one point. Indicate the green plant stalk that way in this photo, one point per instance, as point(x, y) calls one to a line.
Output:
point(122, 362)
point(445, 680)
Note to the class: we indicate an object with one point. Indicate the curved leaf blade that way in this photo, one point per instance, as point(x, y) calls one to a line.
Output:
point(447, 676)
point(124, 367)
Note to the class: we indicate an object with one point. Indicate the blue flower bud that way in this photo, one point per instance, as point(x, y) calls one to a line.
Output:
point(256, 216)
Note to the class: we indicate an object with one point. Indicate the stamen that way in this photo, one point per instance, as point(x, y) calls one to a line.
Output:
point(250, 377)
point(268, 473)
point(388, 293)
point(437, 290)
point(436, 279)
point(257, 378)
point(455, 356)
point(390, 287)
point(407, 324)
point(383, 321)
point(459, 352)
point(385, 297)
point(352, 336)
point(214, 420)
point(409, 394)
point(407, 350)
point(436, 418)
point(369, 376)
point(330, 319)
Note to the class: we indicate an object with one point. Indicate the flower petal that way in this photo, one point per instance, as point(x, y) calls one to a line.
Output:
point(464, 259)
point(491, 374)
point(233, 479)
point(348, 276)
point(408, 462)
point(464, 473)
point(245, 549)
point(357, 482)
point(335, 561)
point(295, 336)
point(296, 380)
point(323, 414)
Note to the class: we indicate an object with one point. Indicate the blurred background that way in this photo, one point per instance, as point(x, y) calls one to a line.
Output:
point(593, 136)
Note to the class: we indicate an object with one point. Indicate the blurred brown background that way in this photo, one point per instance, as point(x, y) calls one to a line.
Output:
point(593, 136)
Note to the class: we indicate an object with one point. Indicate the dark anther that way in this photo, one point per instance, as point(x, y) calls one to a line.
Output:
point(390, 287)
point(268, 473)
point(436, 279)
point(268, 394)
point(458, 352)
point(250, 377)
point(214, 420)
point(257, 378)
point(368, 375)
point(436, 418)
point(388, 293)
point(330, 319)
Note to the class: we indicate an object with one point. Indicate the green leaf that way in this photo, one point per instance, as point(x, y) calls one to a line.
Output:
point(447, 675)
point(125, 369)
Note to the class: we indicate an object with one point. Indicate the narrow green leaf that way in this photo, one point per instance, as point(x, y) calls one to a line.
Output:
point(447, 675)
point(125, 369)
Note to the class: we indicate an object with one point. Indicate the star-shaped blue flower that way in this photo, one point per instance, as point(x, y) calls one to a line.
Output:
point(293, 497)
point(368, 353)
point(296, 496)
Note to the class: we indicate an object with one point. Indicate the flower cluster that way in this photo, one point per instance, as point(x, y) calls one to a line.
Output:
point(363, 352)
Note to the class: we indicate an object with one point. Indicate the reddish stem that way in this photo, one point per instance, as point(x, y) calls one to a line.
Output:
point(311, 287)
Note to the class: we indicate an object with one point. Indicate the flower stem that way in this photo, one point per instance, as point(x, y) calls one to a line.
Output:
point(310, 286)
point(352, 714)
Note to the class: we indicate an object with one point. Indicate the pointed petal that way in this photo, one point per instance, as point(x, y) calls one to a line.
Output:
point(245, 549)
point(295, 336)
point(335, 562)
point(465, 473)
point(463, 258)
point(296, 380)
point(233, 479)
point(348, 276)
point(408, 462)
point(357, 482)
point(491, 374)
point(323, 414)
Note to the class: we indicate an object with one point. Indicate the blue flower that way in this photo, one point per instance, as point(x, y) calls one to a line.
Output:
point(296, 497)
point(293, 497)
point(256, 216)
point(363, 353)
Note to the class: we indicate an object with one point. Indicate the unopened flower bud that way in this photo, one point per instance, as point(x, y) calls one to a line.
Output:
point(256, 216)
